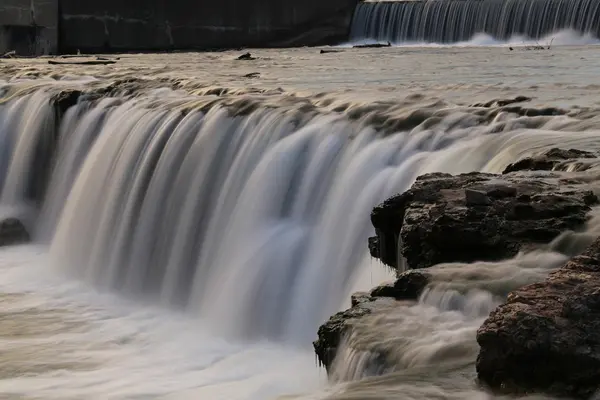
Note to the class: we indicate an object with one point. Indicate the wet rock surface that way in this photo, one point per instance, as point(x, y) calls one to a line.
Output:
point(477, 216)
point(12, 232)
point(546, 337)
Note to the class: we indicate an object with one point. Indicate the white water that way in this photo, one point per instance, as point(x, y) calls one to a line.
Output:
point(565, 37)
point(233, 237)
point(454, 21)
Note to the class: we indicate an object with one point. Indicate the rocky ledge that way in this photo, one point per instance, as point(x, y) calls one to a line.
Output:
point(477, 216)
point(546, 337)
point(487, 217)
point(408, 286)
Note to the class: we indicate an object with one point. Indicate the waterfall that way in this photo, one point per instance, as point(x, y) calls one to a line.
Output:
point(248, 220)
point(450, 21)
point(254, 219)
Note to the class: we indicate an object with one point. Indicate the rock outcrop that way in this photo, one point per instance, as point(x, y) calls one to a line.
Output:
point(408, 286)
point(477, 216)
point(331, 333)
point(12, 232)
point(546, 337)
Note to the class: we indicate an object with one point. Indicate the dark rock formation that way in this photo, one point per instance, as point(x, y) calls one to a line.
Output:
point(546, 337)
point(544, 330)
point(332, 332)
point(408, 286)
point(12, 232)
point(476, 217)
point(554, 159)
point(246, 56)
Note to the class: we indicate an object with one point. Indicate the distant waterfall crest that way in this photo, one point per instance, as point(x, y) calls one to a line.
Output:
point(450, 21)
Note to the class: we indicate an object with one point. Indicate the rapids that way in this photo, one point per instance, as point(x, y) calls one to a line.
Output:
point(189, 241)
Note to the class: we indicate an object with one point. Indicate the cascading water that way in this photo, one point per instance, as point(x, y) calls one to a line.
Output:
point(224, 215)
point(451, 21)
point(254, 218)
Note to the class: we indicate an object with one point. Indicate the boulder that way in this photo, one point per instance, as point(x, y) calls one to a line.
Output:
point(546, 336)
point(553, 159)
point(477, 216)
point(12, 232)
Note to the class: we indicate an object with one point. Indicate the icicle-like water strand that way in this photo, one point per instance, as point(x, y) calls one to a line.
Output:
point(450, 21)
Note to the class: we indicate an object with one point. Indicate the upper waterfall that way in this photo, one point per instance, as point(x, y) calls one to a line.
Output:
point(450, 21)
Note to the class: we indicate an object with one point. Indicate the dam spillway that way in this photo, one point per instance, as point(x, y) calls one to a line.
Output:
point(451, 21)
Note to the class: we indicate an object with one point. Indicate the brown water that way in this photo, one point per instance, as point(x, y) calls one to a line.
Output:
point(63, 335)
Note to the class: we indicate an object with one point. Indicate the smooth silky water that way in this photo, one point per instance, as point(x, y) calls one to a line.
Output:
point(455, 21)
point(189, 244)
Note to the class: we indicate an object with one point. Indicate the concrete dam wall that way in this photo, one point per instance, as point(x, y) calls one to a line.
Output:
point(153, 25)
point(29, 26)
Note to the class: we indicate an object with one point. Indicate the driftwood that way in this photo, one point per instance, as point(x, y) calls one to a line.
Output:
point(374, 45)
point(88, 56)
point(537, 46)
point(323, 51)
point(9, 54)
point(87, 62)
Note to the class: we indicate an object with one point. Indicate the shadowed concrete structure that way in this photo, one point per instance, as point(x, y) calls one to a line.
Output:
point(30, 27)
point(34, 27)
point(117, 25)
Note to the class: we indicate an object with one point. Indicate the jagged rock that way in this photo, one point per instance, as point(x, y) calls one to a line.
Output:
point(408, 286)
point(13, 232)
point(546, 337)
point(477, 217)
point(549, 160)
